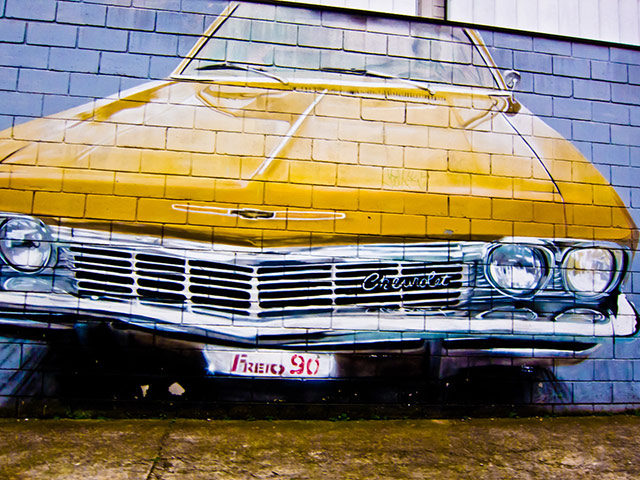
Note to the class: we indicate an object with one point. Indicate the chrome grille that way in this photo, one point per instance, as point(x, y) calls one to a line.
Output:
point(267, 289)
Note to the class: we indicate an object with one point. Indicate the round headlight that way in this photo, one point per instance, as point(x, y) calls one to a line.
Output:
point(25, 244)
point(516, 269)
point(588, 271)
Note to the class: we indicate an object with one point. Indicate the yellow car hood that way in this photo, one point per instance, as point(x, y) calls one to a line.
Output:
point(307, 164)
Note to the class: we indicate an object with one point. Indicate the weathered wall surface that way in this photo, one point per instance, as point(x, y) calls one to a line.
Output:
point(57, 55)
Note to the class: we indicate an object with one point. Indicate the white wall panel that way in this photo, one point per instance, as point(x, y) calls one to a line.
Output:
point(608, 20)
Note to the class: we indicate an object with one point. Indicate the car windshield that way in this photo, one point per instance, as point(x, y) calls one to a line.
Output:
point(293, 44)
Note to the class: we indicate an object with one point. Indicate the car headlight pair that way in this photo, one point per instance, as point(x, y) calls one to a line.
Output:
point(522, 270)
point(25, 244)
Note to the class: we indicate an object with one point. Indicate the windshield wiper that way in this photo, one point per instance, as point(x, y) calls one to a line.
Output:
point(239, 66)
point(373, 73)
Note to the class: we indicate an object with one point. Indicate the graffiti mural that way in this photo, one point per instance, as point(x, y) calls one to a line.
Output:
point(311, 196)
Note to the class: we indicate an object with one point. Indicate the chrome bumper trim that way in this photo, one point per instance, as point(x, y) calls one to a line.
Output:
point(315, 329)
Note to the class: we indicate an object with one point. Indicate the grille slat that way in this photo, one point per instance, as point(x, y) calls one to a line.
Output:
point(267, 289)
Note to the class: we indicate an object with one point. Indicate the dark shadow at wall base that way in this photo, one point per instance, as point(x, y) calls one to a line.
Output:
point(94, 370)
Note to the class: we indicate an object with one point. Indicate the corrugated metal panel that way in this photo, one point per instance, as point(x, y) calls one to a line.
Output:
point(615, 21)
point(432, 8)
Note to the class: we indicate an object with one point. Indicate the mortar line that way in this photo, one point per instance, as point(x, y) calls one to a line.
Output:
point(158, 455)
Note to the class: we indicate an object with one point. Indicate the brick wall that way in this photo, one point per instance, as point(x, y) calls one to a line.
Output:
point(55, 55)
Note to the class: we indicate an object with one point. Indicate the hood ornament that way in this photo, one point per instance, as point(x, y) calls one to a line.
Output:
point(256, 214)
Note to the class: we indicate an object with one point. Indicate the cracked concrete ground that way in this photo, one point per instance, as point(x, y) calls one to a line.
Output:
point(605, 448)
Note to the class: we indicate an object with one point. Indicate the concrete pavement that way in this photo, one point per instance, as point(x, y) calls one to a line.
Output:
point(606, 448)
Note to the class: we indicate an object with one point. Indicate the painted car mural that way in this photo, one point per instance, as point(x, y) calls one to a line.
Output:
point(292, 205)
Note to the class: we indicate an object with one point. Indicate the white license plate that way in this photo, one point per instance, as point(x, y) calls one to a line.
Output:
point(278, 364)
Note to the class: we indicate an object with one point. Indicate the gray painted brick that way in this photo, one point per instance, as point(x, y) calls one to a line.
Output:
point(502, 56)
point(591, 89)
point(124, 64)
point(265, 12)
point(52, 34)
point(31, 9)
point(300, 16)
point(635, 117)
point(127, 83)
point(512, 41)
point(42, 81)
point(319, 37)
point(571, 67)
point(550, 45)
point(74, 60)
point(383, 25)
point(586, 149)
point(605, 351)
point(571, 108)
point(487, 37)
point(592, 392)
point(365, 42)
point(610, 113)
point(12, 30)
point(611, 154)
point(625, 55)
point(526, 82)
point(81, 13)
point(154, 43)
point(30, 56)
point(624, 135)
point(405, 47)
point(590, 131)
point(613, 370)
point(238, 30)
point(186, 43)
point(103, 39)
point(349, 22)
point(560, 125)
point(18, 103)
point(551, 85)
point(625, 176)
point(636, 369)
point(625, 195)
point(574, 373)
point(131, 18)
point(203, 6)
point(626, 392)
point(304, 57)
point(634, 74)
point(341, 60)
point(171, 22)
point(120, 3)
point(283, 33)
point(634, 154)
point(625, 93)
point(594, 52)
point(6, 121)
point(59, 103)
point(161, 67)
point(92, 85)
point(8, 78)
point(158, 4)
point(532, 62)
point(538, 104)
point(613, 72)
point(257, 53)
